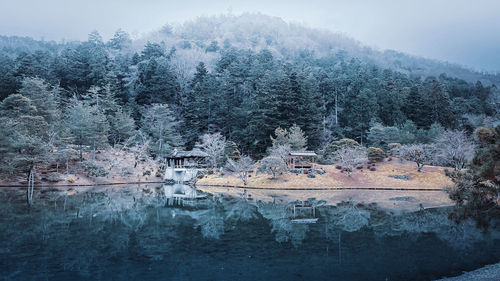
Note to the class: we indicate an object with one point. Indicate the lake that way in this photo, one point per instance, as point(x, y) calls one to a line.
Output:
point(156, 232)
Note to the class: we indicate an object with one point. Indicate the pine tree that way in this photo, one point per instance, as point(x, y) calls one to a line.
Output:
point(161, 126)
point(87, 126)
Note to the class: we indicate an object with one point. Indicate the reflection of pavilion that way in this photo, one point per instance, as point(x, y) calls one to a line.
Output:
point(180, 194)
point(304, 212)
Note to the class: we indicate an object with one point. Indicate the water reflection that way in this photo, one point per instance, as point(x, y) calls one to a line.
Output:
point(182, 194)
point(97, 234)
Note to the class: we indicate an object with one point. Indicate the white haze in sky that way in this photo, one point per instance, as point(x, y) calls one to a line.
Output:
point(464, 32)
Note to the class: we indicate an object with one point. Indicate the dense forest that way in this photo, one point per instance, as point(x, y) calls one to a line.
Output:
point(95, 94)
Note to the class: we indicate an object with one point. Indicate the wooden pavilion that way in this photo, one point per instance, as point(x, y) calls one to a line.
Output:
point(187, 159)
point(301, 159)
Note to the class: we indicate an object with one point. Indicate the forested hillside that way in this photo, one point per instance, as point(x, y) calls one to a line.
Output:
point(240, 76)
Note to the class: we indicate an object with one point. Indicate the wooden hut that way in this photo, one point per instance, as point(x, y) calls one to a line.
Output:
point(187, 159)
point(301, 159)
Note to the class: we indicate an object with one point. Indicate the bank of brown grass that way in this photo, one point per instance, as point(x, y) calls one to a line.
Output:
point(431, 177)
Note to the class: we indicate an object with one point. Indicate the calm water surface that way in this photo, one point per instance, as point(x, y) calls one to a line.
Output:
point(176, 233)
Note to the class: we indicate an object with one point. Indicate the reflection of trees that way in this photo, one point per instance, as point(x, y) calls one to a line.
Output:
point(98, 230)
point(90, 231)
point(279, 218)
point(349, 217)
point(344, 217)
point(240, 210)
point(211, 223)
point(459, 236)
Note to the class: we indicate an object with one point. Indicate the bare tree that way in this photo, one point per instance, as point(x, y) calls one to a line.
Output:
point(240, 167)
point(281, 151)
point(454, 148)
point(272, 165)
point(139, 145)
point(421, 154)
point(349, 158)
point(213, 145)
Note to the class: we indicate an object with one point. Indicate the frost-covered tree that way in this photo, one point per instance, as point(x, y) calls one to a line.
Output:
point(349, 158)
point(87, 126)
point(213, 145)
point(28, 127)
point(293, 137)
point(121, 127)
point(454, 148)
point(280, 151)
point(421, 154)
point(297, 138)
point(272, 165)
point(242, 167)
point(159, 123)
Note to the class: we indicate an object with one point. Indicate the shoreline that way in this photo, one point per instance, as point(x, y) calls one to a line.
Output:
point(44, 185)
point(488, 272)
point(318, 188)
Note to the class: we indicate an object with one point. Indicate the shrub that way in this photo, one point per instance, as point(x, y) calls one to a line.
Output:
point(350, 158)
point(94, 169)
point(53, 177)
point(373, 169)
point(126, 171)
point(330, 150)
point(319, 171)
point(394, 148)
point(376, 154)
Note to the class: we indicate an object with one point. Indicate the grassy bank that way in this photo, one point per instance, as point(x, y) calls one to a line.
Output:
point(431, 177)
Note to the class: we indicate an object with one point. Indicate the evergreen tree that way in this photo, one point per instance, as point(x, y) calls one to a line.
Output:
point(155, 82)
point(438, 99)
point(87, 126)
point(159, 123)
point(417, 109)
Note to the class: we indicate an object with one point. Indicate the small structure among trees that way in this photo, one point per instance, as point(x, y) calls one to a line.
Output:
point(187, 159)
point(301, 159)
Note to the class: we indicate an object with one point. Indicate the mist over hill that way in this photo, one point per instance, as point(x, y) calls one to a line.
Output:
point(292, 40)
point(198, 40)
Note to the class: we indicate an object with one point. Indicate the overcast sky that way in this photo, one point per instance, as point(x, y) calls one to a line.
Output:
point(465, 32)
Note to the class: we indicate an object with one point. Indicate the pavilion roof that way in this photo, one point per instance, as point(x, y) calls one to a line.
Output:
point(302, 153)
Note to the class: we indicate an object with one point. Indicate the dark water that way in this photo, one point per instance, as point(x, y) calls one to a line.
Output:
point(142, 233)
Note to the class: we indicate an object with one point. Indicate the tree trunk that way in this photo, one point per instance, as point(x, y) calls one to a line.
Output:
point(244, 178)
point(31, 186)
point(340, 246)
point(336, 110)
point(81, 153)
